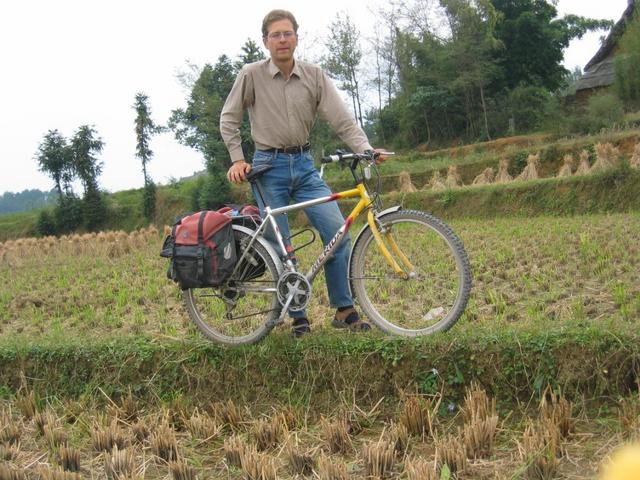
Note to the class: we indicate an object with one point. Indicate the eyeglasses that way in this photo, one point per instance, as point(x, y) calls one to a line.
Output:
point(279, 35)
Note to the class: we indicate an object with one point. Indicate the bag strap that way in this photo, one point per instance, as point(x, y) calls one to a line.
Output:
point(203, 214)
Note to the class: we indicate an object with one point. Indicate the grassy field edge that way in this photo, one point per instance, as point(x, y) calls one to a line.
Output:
point(607, 192)
point(513, 364)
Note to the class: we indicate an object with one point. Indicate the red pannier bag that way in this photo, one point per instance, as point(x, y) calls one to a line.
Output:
point(242, 214)
point(202, 250)
point(246, 216)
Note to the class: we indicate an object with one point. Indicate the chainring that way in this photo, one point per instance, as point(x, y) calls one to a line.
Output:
point(295, 285)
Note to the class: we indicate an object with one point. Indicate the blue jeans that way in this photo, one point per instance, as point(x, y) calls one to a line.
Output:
point(294, 179)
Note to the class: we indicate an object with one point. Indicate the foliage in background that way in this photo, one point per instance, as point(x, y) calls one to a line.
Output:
point(68, 214)
point(534, 40)
point(85, 147)
point(528, 107)
point(30, 199)
point(198, 125)
point(54, 158)
point(343, 58)
point(464, 81)
point(627, 63)
point(602, 111)
point(145, 128)
point(65, 161)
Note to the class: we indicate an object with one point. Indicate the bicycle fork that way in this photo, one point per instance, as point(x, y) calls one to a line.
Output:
point(409, 270)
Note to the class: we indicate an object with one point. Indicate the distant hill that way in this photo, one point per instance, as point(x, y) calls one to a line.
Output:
point(26, 200)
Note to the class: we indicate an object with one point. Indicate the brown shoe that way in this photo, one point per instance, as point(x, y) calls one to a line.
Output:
point(350, 319)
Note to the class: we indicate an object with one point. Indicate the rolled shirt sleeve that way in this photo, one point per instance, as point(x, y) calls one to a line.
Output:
point(331, 108)
point(232, 115)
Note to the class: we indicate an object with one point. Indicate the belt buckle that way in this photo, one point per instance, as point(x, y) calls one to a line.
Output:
point(294, 149)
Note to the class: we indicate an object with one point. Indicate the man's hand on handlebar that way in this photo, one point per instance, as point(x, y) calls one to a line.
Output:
point(381, 156)
point(237, 173)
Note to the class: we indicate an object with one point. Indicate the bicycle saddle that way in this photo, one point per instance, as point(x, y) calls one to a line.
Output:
point(255, 172)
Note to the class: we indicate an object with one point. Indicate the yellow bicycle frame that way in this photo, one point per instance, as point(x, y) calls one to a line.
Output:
point(364, 203)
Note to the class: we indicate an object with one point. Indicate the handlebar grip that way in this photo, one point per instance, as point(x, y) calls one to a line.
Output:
point(330, 159)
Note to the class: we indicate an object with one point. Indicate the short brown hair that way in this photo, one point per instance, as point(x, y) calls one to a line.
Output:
point(274, 16)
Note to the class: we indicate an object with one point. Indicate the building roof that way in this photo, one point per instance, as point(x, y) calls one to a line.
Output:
point(600, 71)
point(601, 74)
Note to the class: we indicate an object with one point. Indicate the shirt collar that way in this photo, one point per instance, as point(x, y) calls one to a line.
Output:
point(274, 70)
point(296, 69)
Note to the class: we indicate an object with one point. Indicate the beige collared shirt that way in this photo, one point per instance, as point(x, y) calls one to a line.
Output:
point(282, 112)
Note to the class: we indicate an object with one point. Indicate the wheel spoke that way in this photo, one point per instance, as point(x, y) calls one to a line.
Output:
point(239, 311)
point(427, 301)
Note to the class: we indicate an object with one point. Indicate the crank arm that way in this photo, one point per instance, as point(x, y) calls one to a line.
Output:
point(285, 307)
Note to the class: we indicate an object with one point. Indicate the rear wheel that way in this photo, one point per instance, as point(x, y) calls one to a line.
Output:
point(435, 291)
point(240, 311)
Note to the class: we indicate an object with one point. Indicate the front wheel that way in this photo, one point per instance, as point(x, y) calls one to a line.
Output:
point(243, 310)
point(433, 290)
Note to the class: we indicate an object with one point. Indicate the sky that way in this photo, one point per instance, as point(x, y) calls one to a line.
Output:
point(67, 63)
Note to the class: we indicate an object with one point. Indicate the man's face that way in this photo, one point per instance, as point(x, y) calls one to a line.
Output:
point(281, 40)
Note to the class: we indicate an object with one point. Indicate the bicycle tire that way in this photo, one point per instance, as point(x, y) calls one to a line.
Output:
point(439, 291)
point(207, 307)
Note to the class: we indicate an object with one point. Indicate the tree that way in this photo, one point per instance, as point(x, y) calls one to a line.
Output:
point(429, 99)
point(471, 48)
point(383, 44)
point(627, 63)
point(528, 107)
point(197, 125)
point(45, 225)
point(54, 158)
point(26, 200)
point(250, 53)
point(68, 213)
point(145, 128)
point(344, 57)
point(214, 190)
point(534, 41)
point(85, 145)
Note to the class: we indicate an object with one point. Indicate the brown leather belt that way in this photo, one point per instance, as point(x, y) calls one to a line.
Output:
point(289, 150)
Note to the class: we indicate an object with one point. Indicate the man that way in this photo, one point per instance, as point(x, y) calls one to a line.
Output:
point(283, 96)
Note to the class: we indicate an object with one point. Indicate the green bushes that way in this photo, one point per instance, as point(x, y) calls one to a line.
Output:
point(149, 200)
point(529, 106)
point(67, 214)
point(211, 191)
point(627, 64)
point(72, 213)
point(46, 224)
point(602, 111)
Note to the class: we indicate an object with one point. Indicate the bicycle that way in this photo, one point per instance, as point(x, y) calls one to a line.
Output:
point(408, 270)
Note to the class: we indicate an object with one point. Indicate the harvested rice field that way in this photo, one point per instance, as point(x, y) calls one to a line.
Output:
point(540, 271)
point(66, 413)
point(418, 438)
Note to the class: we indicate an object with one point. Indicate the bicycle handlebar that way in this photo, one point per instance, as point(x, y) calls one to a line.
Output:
point(339, 156)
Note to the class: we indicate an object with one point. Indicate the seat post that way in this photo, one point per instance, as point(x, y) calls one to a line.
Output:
point(258, 186)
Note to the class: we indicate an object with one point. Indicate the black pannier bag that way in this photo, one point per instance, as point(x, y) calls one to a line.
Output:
point(248, 216)
point(202, 250)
